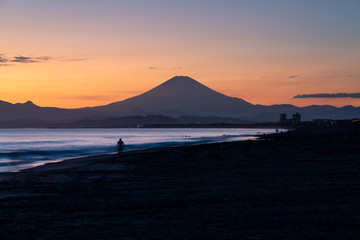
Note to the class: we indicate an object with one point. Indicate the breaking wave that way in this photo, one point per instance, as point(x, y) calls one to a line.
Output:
point(24, 148)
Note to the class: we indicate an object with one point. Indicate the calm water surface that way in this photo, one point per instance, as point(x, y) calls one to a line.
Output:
point(25, 148)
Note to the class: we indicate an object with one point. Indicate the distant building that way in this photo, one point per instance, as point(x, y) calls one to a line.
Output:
point(296, 118)
point(283, 118)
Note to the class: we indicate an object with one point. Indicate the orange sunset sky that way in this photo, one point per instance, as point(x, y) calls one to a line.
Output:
point(87, 53)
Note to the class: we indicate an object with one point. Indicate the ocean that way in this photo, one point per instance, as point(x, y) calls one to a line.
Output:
point(26, 148)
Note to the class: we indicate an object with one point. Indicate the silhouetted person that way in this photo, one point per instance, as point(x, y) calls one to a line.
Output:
point(281, 134)
point(120, 147)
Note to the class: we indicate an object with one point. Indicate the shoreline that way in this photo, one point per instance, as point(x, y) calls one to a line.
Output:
point(296, 187)
point(81, 159)
point(40, 163)
point(77, 161)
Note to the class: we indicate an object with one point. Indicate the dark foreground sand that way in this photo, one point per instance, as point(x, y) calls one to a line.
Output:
point(297, 188)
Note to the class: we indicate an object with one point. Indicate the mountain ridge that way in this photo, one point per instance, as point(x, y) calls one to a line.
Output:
point(178, 96)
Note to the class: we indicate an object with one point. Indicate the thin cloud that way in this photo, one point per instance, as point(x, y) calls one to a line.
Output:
point(45, 58)
point(329, 95)
point(165, 68)
point(25, 59)
point(294, 76)
point(4, 64)
point(337, 76)
point(73, 59)
point(3, 59)
point(21, 59)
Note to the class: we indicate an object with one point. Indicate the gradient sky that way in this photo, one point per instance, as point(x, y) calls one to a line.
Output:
point(77, 53)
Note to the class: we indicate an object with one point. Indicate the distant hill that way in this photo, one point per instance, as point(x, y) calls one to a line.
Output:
point(187, 119)
point(271, 113)
point(116, 122)
point(29, 110)
point(124, 121)
point(178, 100)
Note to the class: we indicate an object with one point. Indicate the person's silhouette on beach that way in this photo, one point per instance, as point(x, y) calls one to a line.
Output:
point(120, 147)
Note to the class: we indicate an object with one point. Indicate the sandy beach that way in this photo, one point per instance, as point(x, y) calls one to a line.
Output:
point(301, 187)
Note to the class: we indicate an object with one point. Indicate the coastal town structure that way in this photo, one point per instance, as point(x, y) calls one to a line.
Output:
point(296, 118)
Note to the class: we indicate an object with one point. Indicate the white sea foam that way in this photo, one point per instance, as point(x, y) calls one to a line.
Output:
point(25, 148)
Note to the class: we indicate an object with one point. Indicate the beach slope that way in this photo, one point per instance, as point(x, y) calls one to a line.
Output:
point(287, 188)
